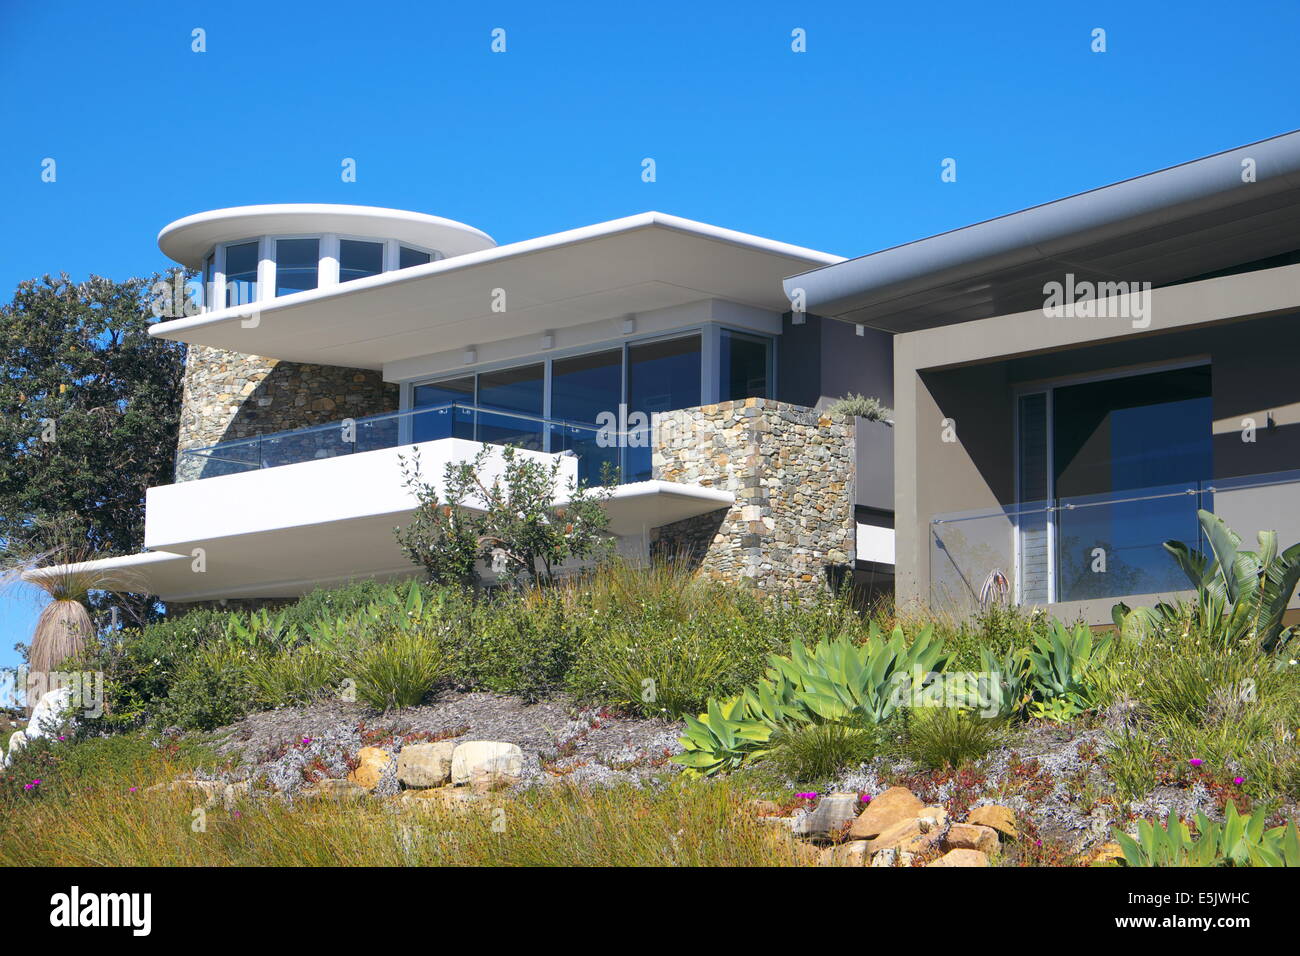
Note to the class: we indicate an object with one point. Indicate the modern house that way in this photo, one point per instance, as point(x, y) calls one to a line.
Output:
point(331, 339)
point(1073, 381)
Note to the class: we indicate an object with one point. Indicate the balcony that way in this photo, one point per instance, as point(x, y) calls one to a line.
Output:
point(597, 451)
point(280, 514)
point(1099, 547)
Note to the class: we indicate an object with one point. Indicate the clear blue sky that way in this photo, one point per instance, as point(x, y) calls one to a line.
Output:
point(838, 148)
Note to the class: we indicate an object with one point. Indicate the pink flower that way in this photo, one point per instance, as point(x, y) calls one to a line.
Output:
point(807, 796)
point(132, 790)
point(1239, 780)
point(1196, 761)
point(865, 798)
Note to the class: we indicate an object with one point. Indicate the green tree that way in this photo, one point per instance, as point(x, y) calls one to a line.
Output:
point(89, 411)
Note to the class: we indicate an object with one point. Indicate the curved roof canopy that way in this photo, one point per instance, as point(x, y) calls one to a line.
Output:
point(1180, 223)
point(188, 240)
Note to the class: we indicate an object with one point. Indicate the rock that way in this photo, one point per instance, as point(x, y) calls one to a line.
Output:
point(17, 741)
point(370, 770)
point(890, 807)
point(425, 765)
point(50, 715)
point(972, 836)
point(332, 789)
point(1106, 854)
point(996, 817)
point(234, 792)
point(931, 818)
point(892, 857)
point(907, 835)
point(853, 853)
point(830, 815)
point(961, 858)
point(485, 757)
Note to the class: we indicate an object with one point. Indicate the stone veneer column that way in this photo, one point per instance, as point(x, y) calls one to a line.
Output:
point(791, 470)
point(230, 395)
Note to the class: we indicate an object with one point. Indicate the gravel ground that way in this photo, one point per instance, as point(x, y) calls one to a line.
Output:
point(559, 740)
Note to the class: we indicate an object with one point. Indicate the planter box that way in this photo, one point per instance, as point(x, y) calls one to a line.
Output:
point(873, 484)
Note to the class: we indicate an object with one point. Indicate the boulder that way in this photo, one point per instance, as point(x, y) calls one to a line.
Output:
point(372, 762)
point(907, 835)
point(961, 858)
point(425, 765)
point(972, 836)
point(892, 857)
point(853, 853)
point(50, 715)
point(892, 806)
point(996, 817)
point(830, 815)
point(17, 741)
point(484, 758)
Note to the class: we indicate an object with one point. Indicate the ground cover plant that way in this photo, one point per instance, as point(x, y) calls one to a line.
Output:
point(1085, 734)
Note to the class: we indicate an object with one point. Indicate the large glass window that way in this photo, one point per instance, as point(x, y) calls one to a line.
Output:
point(745, 366)
point(451, 423)
point(1123, 452)
point(581, 389)
point(241, 273)
point(514, 390)
point(661, 376)
point(358, 259)
point(297, 265)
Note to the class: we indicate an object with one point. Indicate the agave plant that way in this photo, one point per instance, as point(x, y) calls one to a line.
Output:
point(1241, 596)
point(722, 738)
point(835, 681)
point(1063, 668)
point(1238, 841)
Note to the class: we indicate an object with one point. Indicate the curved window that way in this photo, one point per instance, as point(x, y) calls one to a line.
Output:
point(297, 265)
point(358, 259)
point(241, 273)
point(408, 257)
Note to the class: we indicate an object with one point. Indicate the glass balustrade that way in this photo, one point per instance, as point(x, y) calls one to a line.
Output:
point(597, 450)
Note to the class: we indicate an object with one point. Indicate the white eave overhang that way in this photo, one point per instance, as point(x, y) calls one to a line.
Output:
point(637, 264)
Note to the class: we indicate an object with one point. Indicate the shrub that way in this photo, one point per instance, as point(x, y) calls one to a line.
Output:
point(210, 690)
point(293, 676)
point(872, 409)
point(397, 670)
point(516, 524)
point(1129, 760)
point(815, 752)
point(942, 737)
point(512, 646)
point(661, 641)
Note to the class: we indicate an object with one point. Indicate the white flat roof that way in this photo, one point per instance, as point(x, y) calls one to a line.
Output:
point(188, 240)
point(636, 264)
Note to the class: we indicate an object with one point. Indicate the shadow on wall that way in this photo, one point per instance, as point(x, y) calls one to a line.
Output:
point(229, 397)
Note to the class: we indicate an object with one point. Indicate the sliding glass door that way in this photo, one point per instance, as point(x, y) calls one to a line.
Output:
point(1114, 459)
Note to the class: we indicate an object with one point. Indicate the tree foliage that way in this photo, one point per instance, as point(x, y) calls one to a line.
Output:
point(89, 411)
